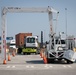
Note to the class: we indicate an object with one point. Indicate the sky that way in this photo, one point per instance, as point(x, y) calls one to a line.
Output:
point(37, 22)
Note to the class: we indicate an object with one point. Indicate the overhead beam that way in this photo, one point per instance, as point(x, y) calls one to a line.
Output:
point(28, 10)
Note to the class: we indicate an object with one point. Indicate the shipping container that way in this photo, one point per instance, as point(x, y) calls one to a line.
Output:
point(20, 39)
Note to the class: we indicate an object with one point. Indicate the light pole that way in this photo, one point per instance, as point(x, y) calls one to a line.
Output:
point(66, 20)
point(66, 27)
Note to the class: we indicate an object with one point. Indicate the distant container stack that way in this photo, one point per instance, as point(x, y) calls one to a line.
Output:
point(20, 38)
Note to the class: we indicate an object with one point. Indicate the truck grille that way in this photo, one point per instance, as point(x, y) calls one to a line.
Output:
point(53, 54)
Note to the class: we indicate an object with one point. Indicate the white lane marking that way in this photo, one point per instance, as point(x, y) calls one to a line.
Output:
point(50, 66)
point(64, 66)
point(32, 66)
point(8, 66)
point(69, 66)
point(27, 66)
point(46, 66)
point(13, 66)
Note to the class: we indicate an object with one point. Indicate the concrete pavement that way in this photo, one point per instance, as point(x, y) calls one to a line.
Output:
point(33, 65)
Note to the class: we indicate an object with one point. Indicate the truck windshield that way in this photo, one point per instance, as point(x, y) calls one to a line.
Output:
point(60, 41)
point(30, 40)
point(12, 44)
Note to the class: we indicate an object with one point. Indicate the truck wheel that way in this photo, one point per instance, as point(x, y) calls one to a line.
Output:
point(52, 60)
point(19, 50)
point(48, 60)
point(23, 53)
point(36, 53)
point(59, 60)
point(28, 53)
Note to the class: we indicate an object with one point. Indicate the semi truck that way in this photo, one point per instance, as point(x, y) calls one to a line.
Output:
point(59, 51)
point(57, 48)
point(31, 45)
point(27, 43)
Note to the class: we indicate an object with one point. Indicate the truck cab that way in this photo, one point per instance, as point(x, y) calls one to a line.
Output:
point(12, 44)
point(31, 45)
point(60, 51)
point(31, 41)
point(60, 44)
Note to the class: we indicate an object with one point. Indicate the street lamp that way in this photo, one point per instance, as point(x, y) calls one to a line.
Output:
point(66, 20)
point(66, 26)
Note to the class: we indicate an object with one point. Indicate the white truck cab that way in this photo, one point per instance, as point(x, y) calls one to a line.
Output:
point(13, 44)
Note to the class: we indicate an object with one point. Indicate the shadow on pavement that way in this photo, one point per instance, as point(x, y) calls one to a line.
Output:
point(41, 62)
point(35, 62)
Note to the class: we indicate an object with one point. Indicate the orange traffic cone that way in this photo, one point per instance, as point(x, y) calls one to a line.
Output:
point(45, 60)
point(4, 61)
point(13, 53)
point(9, 59)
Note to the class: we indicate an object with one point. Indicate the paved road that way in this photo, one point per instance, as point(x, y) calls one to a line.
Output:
point(37, 67)
point(33, 65)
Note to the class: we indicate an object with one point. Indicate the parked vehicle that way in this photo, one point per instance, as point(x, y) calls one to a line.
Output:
point(12, 44)
point(26, 43)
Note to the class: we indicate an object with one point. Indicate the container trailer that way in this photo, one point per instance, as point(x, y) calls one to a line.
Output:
point(26, 43)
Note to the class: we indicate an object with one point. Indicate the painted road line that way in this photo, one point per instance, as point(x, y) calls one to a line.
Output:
point(69, 66)
point(13, 66)
point(64, 66)
point(51, 66)
point(46, 66)
point(27, 66)
point(32, 66)
point(8, 66)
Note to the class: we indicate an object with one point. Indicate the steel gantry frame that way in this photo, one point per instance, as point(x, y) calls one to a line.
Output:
point(5, 10)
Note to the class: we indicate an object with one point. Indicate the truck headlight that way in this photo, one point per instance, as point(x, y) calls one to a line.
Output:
point(60, 48)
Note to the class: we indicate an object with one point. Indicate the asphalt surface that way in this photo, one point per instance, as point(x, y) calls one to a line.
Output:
point(34, 65)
